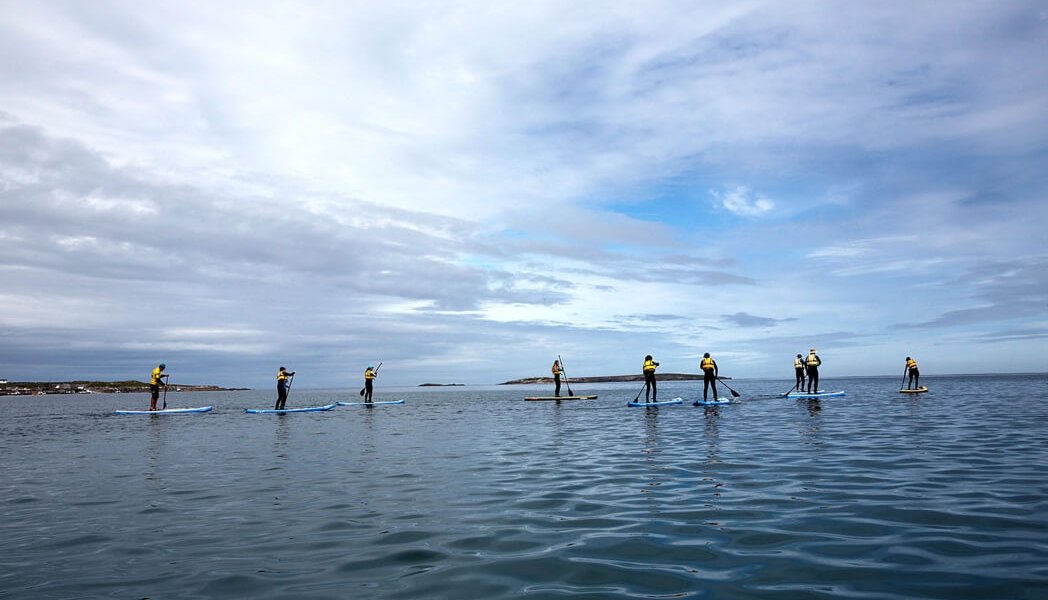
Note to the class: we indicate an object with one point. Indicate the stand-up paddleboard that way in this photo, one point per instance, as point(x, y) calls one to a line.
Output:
point(274, 411)
point(923, 388)
point(717, 402)
point(559, 398)
point(166, 411)
point(659, 403)
point(401, 401)
point(814, 394)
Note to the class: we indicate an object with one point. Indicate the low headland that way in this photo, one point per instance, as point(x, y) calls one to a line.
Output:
point(36, 388)
point(609, 378)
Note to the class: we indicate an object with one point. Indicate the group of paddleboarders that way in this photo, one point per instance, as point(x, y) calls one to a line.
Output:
point(807, 367)
point(710, 372)
point(806, 370)
point(284, 380)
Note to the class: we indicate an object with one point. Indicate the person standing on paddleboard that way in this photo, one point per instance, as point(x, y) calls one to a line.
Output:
point(812, 363)
point(557, 372)
point(155, 381)
point(798, 368)
point(282, 385)
point(709, 376)
point(649, 379)
point(914, 374)
point(369, 382)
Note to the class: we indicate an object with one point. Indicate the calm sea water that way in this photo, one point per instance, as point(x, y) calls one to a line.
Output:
point(473, 493)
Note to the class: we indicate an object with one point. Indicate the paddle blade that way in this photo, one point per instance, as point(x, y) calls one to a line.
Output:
point(361, 391)
point(733, 393)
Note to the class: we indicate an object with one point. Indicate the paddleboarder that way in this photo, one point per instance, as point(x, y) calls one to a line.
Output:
point(798, 368)
point(812, 363)
point(914, 374)
point(709, 376)
point(370, 374)
point(649, 379)
point(282, 386)
point(155, 381)
point(557, 372)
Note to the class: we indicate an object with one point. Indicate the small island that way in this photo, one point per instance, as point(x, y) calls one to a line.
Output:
point(441, 384)
point(608, 378)
point(37, 388)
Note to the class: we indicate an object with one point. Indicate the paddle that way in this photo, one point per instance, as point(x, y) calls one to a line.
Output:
point(565, 374)
point(787, 392)
point(376, 372)
point(287, 392)
point(637, 397)
point(903, 382)
point(735, 394)
point(166, 383)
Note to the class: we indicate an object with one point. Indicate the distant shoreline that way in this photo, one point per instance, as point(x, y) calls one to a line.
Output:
point(39, 388)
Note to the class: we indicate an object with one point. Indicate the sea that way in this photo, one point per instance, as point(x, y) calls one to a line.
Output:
point(471, 492)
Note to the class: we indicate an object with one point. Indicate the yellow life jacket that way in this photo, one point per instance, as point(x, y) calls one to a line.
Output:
point(556, 369)
point(707, 364)
point(797, 364)
point(369, 374)
point(813, 360)
point(155, 379)
point(281, 375)
point(911, 364)
point(649, 366)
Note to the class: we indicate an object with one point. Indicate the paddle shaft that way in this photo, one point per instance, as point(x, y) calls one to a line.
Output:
point(902, 383)
point(376, 372)
point(733, 392)
point(287, 391)
point(637, 397)
point(166, 383)
point(570, 393)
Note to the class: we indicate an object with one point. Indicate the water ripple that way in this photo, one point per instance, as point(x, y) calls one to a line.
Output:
point(473, 493)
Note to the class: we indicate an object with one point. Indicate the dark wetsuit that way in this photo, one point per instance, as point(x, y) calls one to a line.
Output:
point(709, 377)
point(915, 377)
point(369, 384)
point(800, 376)
point(649, 380)
point(281, 393)
point(813, 372)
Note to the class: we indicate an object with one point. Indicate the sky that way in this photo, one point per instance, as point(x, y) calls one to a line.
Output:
point(466, 190)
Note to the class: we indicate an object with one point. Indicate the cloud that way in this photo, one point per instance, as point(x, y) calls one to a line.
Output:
point(743, 319)
point(741, 201)
point(1006, 291)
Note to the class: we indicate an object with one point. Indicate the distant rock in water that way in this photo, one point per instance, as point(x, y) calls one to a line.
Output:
point(608, 378)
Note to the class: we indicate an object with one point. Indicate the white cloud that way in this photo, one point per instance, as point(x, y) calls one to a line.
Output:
point(742, 201)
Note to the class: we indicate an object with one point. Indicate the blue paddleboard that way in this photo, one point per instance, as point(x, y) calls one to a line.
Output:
point(166, 411)
point(814, 394)
point(273, 411)
point(717, 402)
point(370, 403)
point(659, 403)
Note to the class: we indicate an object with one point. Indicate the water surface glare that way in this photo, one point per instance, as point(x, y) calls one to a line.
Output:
point(470, 492)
